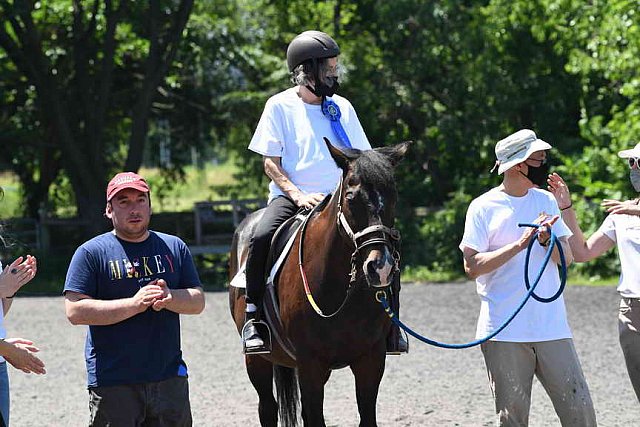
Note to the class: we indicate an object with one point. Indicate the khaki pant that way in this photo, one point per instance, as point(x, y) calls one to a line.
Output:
point(511, 367)
point(629, 329)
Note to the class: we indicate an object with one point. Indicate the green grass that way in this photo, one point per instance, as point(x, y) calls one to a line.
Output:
point(199, 185)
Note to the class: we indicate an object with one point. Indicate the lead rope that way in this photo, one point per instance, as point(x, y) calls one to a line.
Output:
point(381, 296)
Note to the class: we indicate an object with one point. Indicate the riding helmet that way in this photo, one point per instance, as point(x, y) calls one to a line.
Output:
point(310, 45)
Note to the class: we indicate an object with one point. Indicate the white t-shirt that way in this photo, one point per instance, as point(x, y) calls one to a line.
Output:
point(624, 230)
point(491, 223)
point(294, 131)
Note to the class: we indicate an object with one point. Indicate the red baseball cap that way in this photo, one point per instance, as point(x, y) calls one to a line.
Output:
point(126, 180)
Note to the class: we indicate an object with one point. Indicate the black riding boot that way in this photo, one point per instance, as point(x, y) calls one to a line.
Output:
point(252, 342)
point(396, 342)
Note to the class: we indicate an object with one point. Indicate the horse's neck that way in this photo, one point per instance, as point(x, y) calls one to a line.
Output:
point(325, 225)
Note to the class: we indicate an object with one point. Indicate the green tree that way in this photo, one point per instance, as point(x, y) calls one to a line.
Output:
point(87, 74)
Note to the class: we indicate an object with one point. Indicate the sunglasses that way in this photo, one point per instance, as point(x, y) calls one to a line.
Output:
point(634, 161)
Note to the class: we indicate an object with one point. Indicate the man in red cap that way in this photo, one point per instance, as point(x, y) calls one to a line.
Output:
point(129, 286)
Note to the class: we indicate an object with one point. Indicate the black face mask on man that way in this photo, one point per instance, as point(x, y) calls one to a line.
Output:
point(538, 175)
point(322, 89)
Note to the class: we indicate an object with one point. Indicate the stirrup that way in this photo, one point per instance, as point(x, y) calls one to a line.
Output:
point(262, 327)
point(400, 350)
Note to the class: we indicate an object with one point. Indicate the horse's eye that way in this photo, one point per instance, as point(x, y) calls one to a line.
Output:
point(350, 195)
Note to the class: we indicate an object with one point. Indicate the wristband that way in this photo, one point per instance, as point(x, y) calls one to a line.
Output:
point(564, 209)
point(546, 243)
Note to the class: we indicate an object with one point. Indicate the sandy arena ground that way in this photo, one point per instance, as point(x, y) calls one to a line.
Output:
point(428, 387)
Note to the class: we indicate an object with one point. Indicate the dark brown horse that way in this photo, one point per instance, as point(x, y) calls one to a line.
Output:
point(348, 252)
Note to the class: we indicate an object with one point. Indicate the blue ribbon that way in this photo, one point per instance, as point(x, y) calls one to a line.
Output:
point(331, 111)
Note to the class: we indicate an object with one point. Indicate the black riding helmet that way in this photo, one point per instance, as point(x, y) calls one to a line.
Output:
point(310, 45)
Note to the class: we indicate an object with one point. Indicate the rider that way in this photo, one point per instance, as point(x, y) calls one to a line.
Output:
point(289, 136)
point(538, 341)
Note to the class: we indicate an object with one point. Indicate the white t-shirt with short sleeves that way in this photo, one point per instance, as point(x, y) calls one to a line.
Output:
point(491, 223)
point(294, 130)
point(624, 230)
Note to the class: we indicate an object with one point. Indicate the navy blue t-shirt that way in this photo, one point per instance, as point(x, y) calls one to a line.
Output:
point(146, 347)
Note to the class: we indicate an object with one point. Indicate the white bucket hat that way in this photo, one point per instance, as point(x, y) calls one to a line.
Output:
point(516, 148)
point(634, 152)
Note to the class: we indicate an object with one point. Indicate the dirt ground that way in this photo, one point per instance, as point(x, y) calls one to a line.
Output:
point(428, 387)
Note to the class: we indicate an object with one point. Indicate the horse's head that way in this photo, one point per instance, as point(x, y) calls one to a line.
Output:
point(367, 203)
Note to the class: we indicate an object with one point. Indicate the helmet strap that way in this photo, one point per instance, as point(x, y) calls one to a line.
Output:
point(315, 72)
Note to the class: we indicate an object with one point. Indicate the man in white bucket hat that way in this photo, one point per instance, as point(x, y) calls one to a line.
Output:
point(622, 229)
point(538, 340)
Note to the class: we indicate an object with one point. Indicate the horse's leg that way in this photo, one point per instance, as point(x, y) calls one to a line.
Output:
point(260, 373)
point(312, 376)
point(368, 371)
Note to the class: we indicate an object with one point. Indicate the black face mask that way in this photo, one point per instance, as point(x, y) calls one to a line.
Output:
point(324, 90)
point(538, 175)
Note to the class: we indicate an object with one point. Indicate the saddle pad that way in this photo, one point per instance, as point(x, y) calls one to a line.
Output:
point(240, 279)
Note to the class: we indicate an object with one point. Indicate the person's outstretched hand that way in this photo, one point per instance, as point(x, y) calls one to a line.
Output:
point(17, 274)
point(19, 353)
point(560, 190)
point(629, 207)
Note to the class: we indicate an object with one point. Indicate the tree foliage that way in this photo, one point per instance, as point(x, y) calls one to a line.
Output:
point(88, 86)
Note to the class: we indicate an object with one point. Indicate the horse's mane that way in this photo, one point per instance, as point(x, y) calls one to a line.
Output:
point(375, 169)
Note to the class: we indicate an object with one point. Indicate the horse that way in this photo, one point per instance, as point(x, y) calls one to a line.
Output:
point(347, 250)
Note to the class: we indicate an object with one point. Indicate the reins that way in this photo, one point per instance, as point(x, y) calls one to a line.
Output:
point(381, 295)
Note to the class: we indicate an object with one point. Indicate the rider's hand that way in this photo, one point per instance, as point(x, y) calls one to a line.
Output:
point(308, 201)
point(629, 207)
point(560, 190)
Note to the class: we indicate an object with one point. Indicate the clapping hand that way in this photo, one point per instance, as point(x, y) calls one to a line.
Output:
point(17, 274)
point(166, 297)
point(20, 354)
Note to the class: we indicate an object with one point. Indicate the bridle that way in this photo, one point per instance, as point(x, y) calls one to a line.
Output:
point(373, 235)
point(383, 235)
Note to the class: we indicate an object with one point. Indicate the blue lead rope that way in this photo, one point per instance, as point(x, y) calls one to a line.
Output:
point(381, 296)
point(331, 110)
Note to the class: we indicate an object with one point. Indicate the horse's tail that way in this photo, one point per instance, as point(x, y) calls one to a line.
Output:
point(287, 390)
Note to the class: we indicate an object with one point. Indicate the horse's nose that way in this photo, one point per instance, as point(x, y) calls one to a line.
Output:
point(377, 267)
point(373, 266)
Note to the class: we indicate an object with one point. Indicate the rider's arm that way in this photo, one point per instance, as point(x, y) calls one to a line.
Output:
point(583, 250)
point(479, 263)
point(273, 169)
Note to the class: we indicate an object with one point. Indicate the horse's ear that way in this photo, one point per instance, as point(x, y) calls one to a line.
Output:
point(395, 153)
point(339, 157)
